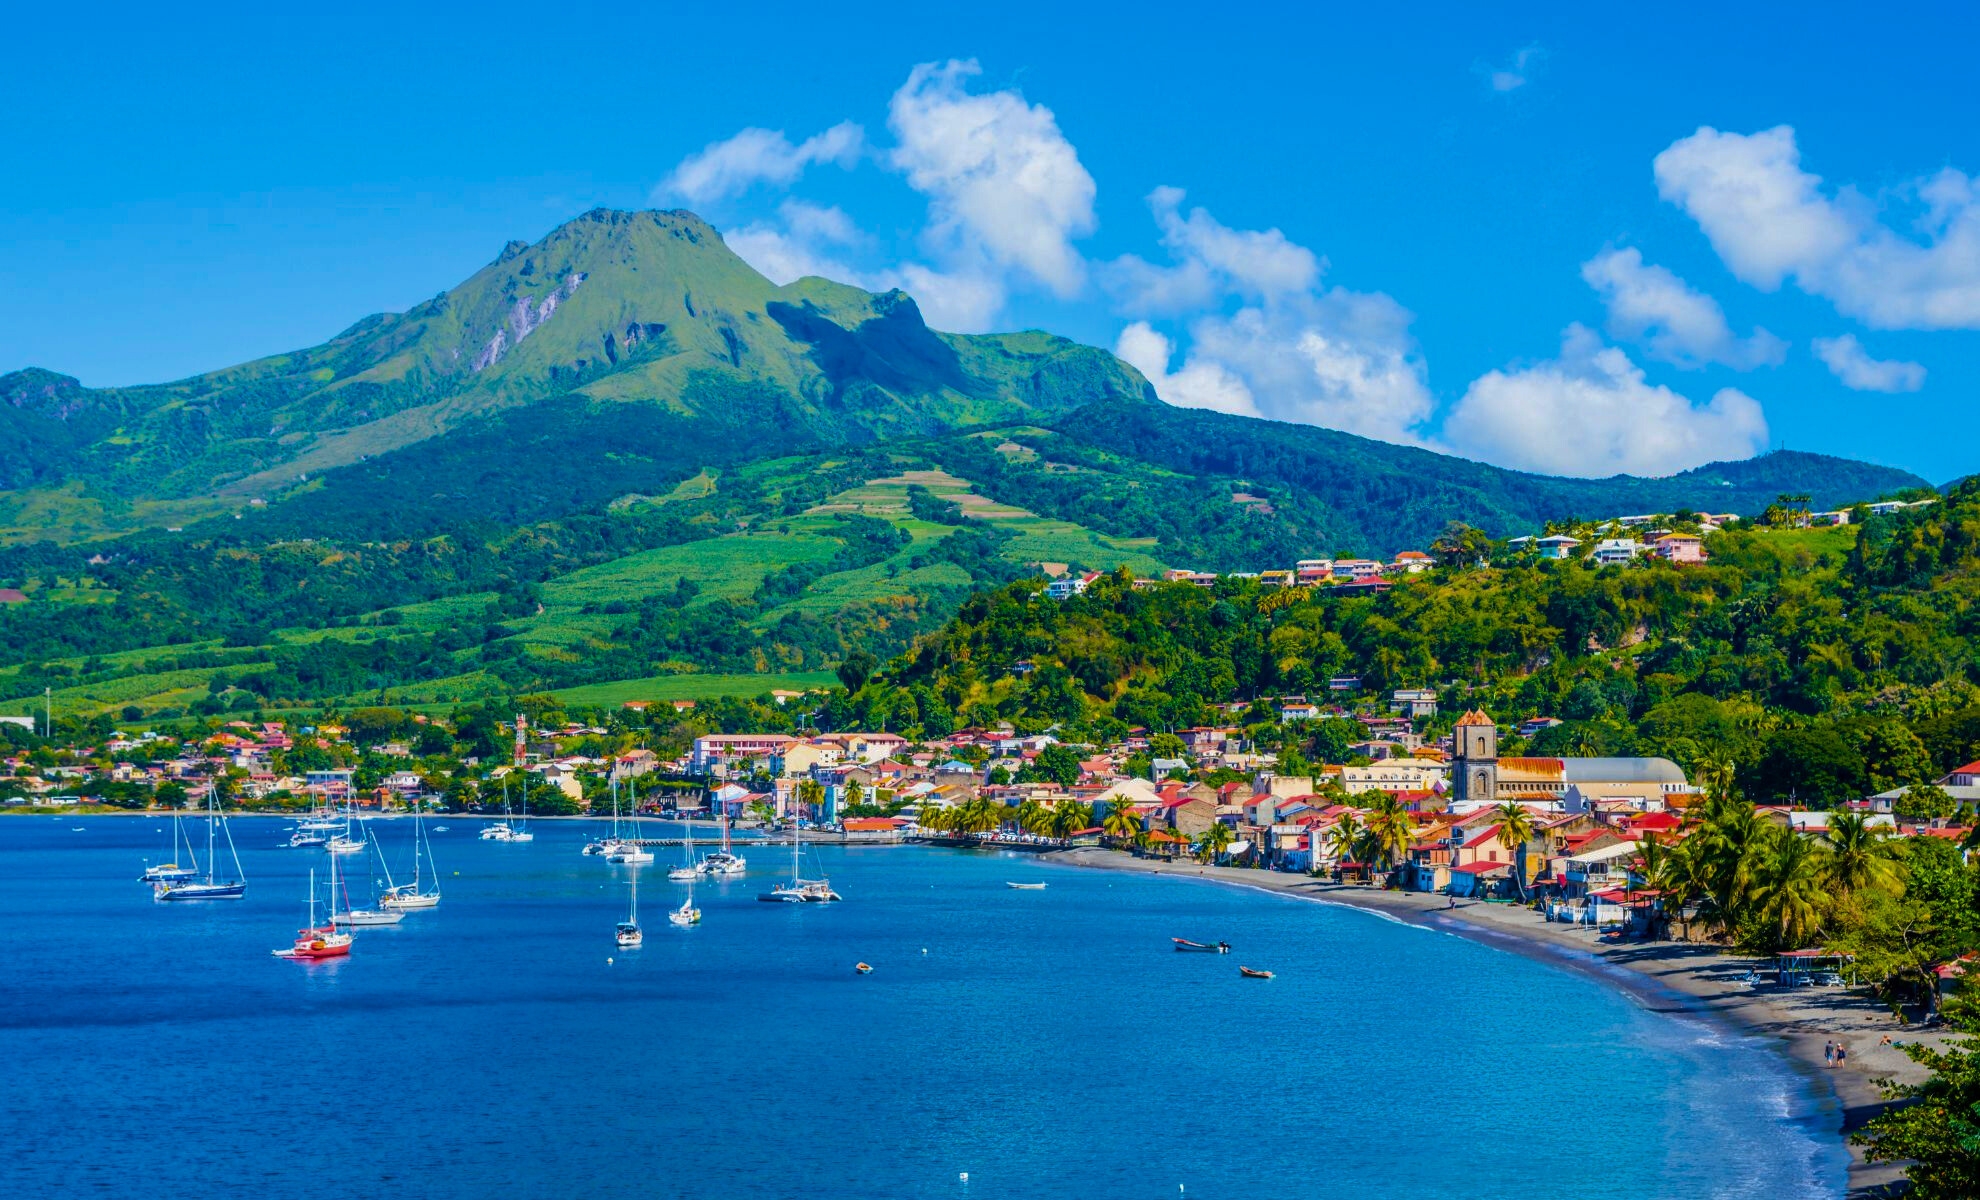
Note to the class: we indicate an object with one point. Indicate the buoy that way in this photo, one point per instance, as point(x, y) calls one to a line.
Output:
point(924, 949)
point(863, 969)
point(608, 961)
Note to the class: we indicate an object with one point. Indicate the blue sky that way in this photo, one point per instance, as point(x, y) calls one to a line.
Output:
point(1499, 234)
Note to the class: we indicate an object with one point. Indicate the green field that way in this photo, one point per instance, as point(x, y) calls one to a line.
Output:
point(693, 687)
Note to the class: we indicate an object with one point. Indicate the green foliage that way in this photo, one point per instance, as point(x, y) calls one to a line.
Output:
point(1937, 1133)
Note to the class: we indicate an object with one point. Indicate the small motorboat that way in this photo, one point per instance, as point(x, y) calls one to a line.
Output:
point(863, 968)
point(1253, 973)
point(1204, 947)
point(1024, 887)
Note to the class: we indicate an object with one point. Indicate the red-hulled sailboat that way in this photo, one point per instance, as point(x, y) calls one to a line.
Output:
point(317, 942)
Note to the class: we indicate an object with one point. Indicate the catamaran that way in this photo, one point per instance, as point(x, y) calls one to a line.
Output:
point(800, 890)
point(502, 831)
point(172, 872)
point(723, 861)
point(627, 933)
point(210, 887)
point(313, 941)
point(406, 896)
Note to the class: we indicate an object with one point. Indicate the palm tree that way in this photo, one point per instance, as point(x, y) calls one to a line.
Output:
point(1121, 821)
point(1390, 831)
point(1217, 839)
point(1858, 855)
point(1033, 817)
point(811, 796)
point(1069, 817)
point(1344, 839)
point(1516, 829)
point(1787, 889)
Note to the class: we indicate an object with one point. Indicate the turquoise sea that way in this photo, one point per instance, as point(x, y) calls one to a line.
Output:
point(1047, 1043)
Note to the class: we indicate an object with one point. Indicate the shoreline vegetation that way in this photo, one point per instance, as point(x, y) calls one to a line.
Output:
point(1692, 979)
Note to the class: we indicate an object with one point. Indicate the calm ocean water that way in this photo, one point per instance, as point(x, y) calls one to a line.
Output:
point(1049, 1043)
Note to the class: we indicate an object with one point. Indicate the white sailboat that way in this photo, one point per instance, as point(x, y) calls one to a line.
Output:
point(414, 895)
point(502, 831)
point(362, 916)
point(345, 843)
point(800, 890)
point(689, 870)
point(627, 851)
point(170, 871)
point(210, 887)
point(687, 914)
point(627, 934)
point(723, 861)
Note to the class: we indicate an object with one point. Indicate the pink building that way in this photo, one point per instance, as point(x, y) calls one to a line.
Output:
point(1679, 548)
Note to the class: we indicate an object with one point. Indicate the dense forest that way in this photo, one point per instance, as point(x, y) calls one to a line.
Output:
point(1820, 673)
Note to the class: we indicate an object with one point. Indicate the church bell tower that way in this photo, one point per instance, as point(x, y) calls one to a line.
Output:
point(1475, 769)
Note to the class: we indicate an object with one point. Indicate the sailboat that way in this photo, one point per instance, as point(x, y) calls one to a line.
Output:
point(363, 916)
point(315, 942)
point(405, 896)
point(502, 831)
point(800, 890)
point(344, 843)
point(627, 851)
point(688, 871)
point(687, 914)
point(172, 872)
point(210, 887)
point(627, 933)
point(723, 861)
point(314, 829)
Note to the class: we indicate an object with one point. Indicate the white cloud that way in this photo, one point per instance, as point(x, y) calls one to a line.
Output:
point(1771, 221)
point(800, 243)
point(1673, 321)
point(1211, 261)
point(1199, 384)
point(1006, 191)
point(1591, 413)
point(729, 167)
point(1850, 362)
point(959, 301)
point(1291, 350)
point(1516, 73)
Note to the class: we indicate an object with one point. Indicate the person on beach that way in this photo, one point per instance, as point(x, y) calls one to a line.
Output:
point(1828, 1054)
point(1842, 1054)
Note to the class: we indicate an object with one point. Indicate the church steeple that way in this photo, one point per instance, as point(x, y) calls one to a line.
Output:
point(1475, 768)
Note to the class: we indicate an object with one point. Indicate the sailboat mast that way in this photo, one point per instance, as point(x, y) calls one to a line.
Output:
point(212, 808)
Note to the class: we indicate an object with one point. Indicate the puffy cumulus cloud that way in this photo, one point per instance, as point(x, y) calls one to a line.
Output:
point(805, 239)
point(1005, 188)
point(729, 167)
point(961, 301)
point(1848, 361)
point(1199, 384)
point(1770, 220)
point(1591, 413)
point(1211, 260)
point(1672, 320)
point(1290, 350)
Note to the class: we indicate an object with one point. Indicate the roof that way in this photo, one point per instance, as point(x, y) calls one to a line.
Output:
point(1489, 835)
point(1623, 770)
point(1473, 717)
point(1481, 868)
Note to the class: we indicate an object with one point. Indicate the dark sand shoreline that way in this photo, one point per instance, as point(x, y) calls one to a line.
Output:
point(1676, 978)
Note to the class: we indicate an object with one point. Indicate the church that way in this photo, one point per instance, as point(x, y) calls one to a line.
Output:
point(1479, 777)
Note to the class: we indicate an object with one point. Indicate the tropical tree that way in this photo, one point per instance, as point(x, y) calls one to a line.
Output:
point(1787, 890)
point(1069, 817)
point(1516, 829)
point(1858, 855)
point(1121, 822)
point(1391, 829)
point(811, 796)
point(1215, 840)
point(935, 819)
point(1344, 840)
point(1033, 817)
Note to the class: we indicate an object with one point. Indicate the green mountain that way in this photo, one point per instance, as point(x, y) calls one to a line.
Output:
point(647, 307)
point(622, 459)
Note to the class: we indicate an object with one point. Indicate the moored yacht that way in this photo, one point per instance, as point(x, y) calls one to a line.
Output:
point(313, 941)
point(209, 887)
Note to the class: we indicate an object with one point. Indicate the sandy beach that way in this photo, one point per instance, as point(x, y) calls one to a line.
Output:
point(1677, 977)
